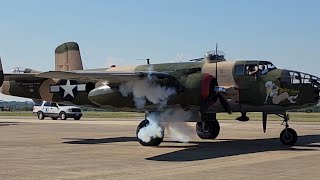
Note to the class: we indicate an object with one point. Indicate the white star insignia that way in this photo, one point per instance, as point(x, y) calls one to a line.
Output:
point(68, 89)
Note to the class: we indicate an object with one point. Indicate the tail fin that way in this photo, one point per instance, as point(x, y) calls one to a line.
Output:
point(68, 57)
point(1, 73)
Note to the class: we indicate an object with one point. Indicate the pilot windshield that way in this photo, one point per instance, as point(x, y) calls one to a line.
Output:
point(265, 67)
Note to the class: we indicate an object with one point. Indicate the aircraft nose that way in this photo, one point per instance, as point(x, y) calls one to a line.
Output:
point(315, 81)
point(309, 84)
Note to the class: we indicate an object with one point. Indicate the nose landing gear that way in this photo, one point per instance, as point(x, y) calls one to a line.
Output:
point(288, 136)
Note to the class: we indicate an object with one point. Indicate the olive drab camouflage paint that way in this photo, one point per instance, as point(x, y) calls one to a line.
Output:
point(215, 85)
point(202, 87)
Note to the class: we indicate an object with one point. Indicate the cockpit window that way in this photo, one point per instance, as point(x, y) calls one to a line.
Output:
point(254, 69)
point(239, 70)
point(295, 78)
point(265, 67)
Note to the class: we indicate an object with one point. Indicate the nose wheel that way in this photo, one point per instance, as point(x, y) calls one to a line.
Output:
point(209, 127)
point(208, 130)
point(288, 136)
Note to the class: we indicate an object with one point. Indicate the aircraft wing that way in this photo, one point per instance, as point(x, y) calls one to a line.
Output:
point(21, 77)
point(111, 77)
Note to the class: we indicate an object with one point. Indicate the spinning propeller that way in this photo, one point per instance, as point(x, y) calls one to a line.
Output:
point(215, 92)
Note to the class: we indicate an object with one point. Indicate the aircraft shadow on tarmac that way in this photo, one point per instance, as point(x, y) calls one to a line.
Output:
point(230, 147)
point(8, 123)
point(100, 141)
point(215, 149)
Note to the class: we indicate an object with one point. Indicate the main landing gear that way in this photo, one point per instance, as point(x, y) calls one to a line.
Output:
point(209, 127)
point(288, 136)
point(149, 133)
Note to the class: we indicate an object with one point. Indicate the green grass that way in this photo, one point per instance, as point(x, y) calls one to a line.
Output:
point(294, 116)
point(95, 114)
point(87, 114)
point(16, 113)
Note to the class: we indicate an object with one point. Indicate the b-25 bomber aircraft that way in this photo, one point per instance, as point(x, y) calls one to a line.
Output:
point(203, 86)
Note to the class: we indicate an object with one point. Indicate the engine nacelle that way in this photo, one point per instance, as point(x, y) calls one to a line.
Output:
point(106, 96)
point(197, 88)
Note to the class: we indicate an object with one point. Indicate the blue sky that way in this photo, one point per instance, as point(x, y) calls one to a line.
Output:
point(286, 32)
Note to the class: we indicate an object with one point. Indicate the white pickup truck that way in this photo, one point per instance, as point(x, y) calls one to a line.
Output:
point(55, 111)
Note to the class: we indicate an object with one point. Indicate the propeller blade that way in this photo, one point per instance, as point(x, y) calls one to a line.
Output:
point(224, 104)
point(206, 103)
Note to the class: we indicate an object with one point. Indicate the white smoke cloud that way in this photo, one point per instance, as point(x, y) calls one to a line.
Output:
point(145, 89)
point(152, 130)
point(150, 69)
point(174, 121)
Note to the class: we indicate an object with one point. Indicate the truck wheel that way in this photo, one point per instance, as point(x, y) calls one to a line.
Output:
point(63, 115)
point(40, 115)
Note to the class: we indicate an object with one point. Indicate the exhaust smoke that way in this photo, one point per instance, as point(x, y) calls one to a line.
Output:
point(143, 90)
point(152, 130)
point(174, 121)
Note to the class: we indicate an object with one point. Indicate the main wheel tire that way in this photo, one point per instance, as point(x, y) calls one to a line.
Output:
point(54, 118)
point(154, 141)
point(40, 115)
point(76, 118)
point(208, 130)
point(63, 115)
point(288, 137)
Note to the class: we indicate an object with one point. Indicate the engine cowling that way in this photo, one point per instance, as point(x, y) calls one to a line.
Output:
point(107, 96)
point(198, 87)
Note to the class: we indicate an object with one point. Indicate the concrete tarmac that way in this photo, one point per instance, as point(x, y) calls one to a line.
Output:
point(108, 149)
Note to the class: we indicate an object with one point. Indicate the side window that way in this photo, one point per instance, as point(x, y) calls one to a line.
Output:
point(47, 104)
point(295, 78)
point(306, 78)
point(263, 69)
point(239, 70)
point(54, 104)
point(286, 78)
point(251, 69)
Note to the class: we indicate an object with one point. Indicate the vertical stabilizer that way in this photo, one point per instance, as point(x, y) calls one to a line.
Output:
point(67, 57)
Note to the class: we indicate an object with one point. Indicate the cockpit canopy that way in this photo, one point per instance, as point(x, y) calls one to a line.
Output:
point(214, 56)
point(252, 68)
point(295, 77)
